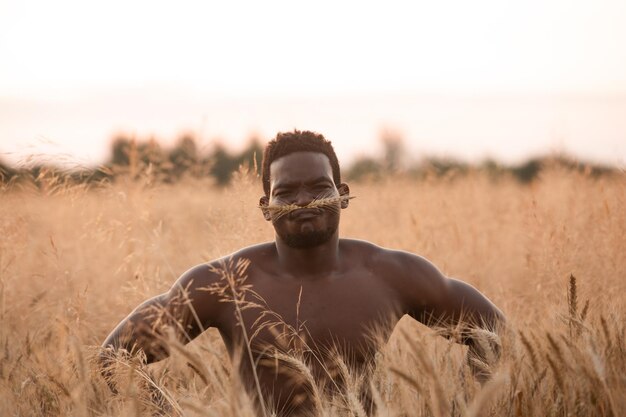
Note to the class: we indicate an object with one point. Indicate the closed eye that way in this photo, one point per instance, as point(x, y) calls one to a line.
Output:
point(281, 193)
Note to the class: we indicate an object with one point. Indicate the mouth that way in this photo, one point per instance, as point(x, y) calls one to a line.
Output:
point(304, 214)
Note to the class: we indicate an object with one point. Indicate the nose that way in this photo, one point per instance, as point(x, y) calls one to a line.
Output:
point(303, 198)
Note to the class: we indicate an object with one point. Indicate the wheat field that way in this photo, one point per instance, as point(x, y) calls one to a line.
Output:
point(74, 260)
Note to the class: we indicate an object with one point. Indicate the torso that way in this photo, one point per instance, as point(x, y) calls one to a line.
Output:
point(352, 311)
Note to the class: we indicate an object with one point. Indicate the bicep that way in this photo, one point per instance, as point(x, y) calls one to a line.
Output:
point(186, 310)
point(434, 299)
point(192, 304)
point(137, 329)
point(464, 303)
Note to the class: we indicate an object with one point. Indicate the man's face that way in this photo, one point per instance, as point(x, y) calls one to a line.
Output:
point(298, 179)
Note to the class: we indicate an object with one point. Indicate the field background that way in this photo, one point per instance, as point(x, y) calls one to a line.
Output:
point(75, 259)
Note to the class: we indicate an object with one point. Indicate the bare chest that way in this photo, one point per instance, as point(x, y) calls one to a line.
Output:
point(351, 312)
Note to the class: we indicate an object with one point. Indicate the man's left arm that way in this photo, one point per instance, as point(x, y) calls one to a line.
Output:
point(456, 307)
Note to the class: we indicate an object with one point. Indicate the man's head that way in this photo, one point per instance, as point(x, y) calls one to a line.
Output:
point(300, 168)
point(297, 141)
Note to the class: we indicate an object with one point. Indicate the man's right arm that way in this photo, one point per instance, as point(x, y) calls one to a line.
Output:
point(185, 311)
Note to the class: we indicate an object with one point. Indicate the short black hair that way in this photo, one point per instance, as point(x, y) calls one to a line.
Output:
point(286, 143)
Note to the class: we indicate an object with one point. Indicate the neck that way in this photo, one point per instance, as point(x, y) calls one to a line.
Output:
point(309, 263)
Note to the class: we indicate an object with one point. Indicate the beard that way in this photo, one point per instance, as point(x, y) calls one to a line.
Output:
point(306, 240)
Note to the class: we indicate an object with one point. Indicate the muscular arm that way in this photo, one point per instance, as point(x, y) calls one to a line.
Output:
point(439, 301)
point(187, 309)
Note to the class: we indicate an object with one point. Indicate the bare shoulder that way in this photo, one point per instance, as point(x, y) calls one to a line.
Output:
point(199, 292)
point(422, 290)
point(260, 253)
point(392, 260)
point(405, 272)
point(208, 273)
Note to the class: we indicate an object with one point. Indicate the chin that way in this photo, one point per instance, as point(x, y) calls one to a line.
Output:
point(308, 239)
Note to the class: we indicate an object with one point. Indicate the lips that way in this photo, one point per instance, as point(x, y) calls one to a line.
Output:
point(304, 214)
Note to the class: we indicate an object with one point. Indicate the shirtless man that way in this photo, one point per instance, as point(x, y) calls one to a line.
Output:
point(314, 294)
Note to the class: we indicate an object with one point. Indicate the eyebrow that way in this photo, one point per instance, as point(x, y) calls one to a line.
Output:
point(313, 181)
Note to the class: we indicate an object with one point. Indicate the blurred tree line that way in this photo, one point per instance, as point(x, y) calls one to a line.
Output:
point(135, 159)
point(131, 157)
point(392, 161)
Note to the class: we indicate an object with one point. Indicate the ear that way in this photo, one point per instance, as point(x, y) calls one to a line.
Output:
point(344, 191)
point(263, 203)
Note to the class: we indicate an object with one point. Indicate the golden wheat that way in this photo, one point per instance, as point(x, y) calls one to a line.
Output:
point(74, 260)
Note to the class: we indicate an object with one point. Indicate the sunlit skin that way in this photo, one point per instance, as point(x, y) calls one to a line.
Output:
point(327, 297)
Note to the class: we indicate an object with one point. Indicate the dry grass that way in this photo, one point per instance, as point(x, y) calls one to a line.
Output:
point(73, 262)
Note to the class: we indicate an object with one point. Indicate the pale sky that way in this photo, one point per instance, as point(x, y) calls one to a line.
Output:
point(74, 72)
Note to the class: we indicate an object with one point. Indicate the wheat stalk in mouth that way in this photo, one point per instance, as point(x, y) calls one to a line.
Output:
point(279, 210)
